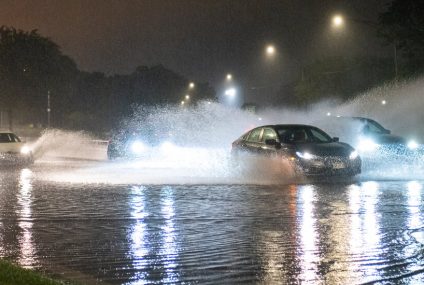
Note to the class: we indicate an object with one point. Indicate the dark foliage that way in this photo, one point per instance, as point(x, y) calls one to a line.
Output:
point(403, 25)
point(31, 66)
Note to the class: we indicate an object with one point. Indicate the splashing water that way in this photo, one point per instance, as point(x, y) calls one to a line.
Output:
point(201, 139)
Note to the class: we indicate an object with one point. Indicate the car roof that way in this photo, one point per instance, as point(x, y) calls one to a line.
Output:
point(287, 126)
point(355, 118)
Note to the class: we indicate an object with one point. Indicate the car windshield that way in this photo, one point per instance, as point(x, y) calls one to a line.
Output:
point(374, 127)
point(302, 134)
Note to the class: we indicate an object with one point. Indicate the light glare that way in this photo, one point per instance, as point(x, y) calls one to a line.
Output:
point(231, 92)
point(337, 21)
point(412, 145)
point(270, 50)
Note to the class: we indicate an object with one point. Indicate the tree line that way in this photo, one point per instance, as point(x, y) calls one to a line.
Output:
point(33, 67)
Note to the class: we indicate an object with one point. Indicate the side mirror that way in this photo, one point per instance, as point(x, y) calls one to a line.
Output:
point(335, 139)
point(272, 142)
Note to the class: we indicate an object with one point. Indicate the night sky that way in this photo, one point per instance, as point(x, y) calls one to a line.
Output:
point(200, 39)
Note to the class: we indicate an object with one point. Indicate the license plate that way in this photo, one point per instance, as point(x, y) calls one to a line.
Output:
point(338, 165)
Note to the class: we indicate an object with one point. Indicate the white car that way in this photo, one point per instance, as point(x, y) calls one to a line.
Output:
point(13, 150)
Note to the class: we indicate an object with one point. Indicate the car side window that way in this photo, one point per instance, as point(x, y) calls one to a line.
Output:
point(292, 136)
point(319, 137)
point(254, 135)
point(269, 134)
point(14, 138)
point(5, 138)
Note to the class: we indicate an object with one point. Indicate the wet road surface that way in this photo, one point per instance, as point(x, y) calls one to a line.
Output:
point(364, 231)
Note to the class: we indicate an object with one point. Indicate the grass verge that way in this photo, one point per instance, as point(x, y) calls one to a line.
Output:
point(11, 274)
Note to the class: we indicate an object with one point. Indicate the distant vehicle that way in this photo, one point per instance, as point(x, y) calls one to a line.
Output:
point(367, 135)
point(13, 150)
point(308, 149)
point(135, 145)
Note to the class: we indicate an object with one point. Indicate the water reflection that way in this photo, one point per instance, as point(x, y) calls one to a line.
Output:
point(309, 257)
point(27, 257)
point(153, 251)
point(415, 221)
point(169, 245)
point(139, 249)
point(365, 242)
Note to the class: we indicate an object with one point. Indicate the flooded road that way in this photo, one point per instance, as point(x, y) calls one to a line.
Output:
point(364, 231)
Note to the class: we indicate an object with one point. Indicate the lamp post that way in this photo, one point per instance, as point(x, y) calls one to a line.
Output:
point(338, 23)
point(48, 109)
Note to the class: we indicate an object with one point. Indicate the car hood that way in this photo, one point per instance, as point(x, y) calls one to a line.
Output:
point(326, 149)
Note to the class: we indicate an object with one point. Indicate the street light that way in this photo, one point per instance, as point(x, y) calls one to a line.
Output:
point(229, 77)
point(270, 50)
point(337, 21)
point(187, 97)
point(191, 85)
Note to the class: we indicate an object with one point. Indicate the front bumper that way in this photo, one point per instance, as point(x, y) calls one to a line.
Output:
point(328, 166)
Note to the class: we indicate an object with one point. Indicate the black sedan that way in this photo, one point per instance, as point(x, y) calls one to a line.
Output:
point(308, 149)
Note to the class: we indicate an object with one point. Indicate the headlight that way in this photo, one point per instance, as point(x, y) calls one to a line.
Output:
point(25, 150)
point(412, 145)
point(367, 145)
point(138, 147)
point(353, 155)
point(305, 155)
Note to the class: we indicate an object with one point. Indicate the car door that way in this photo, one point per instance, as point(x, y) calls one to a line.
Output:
point(266, 149)
point(253, 141)
point(9, 143)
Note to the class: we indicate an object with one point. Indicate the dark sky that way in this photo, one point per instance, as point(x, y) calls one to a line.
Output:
point(201, 39)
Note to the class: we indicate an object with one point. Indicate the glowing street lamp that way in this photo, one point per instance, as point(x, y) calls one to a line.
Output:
point(191, 85)
point(187, 97)
point(229, 77)
point(383, 102)
point(182, 103)
point(338, 21)
point(270, 50)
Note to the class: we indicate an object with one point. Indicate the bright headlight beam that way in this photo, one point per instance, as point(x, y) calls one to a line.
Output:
point(412, 145)
point(25, 150)
point(367, 145)
point(304, 155)
point(138, 147)
point(353, 155)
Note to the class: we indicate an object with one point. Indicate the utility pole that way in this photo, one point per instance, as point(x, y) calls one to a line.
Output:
point(48, 109)
point(395, 60)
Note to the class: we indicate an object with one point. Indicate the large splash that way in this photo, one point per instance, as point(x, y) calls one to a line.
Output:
point(201, 138)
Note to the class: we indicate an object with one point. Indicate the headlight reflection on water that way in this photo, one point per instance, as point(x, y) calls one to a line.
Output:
point(150, 248)
point(308, 234)
point(26, 243)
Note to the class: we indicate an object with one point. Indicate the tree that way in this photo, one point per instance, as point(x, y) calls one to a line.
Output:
point(402, 25)
point(30, 66)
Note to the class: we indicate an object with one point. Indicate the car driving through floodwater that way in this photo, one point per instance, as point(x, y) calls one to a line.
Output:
point(13, 150)
point(308, 149)
point(368, 136)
